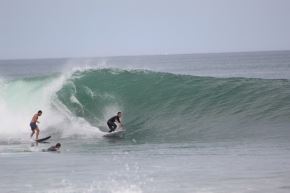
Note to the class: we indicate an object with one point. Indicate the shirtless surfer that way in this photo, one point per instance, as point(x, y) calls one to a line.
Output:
point(111, 122)
point(33, 124)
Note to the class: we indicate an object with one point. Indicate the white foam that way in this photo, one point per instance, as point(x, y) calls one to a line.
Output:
point(21, 99)
point(112, 186)
point(82, 65)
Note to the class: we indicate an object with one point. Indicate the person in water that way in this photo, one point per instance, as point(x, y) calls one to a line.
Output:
point(111, 122)
point(33, 125)
point(55, 147)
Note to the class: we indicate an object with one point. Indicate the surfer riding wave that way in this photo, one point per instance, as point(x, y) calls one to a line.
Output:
point(111, 122)
point(34, 126)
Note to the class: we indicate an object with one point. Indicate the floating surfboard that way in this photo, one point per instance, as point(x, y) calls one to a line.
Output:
point(118, 133)
point(42, 140)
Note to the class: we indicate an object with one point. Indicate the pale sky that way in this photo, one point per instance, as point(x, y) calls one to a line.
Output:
point(93, 28)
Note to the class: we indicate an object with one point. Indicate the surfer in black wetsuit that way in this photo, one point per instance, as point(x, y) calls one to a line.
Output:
point(53, 148)
point(111, 122)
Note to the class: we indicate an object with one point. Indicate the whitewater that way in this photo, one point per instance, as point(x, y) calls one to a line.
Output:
point(194, 123)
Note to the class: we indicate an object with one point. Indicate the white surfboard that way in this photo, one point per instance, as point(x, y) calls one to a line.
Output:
point(117, 133)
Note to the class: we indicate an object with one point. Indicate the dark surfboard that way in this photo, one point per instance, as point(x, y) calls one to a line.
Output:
point(42, 140)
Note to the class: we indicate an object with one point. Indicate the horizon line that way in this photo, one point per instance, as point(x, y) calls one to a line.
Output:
point(141, 55)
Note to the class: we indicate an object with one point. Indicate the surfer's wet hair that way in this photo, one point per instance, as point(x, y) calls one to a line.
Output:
point(119, 113)
point(39, 111)
point(58, 145)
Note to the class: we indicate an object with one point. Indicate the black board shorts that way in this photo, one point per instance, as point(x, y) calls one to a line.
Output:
point(33, 126)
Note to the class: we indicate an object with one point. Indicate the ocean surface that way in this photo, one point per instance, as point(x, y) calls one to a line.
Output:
point(195, 123)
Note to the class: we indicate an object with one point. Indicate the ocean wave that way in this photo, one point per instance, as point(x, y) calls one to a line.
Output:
point(157, 107)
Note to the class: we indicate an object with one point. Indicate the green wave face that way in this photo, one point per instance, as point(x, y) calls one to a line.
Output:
point(166, 107)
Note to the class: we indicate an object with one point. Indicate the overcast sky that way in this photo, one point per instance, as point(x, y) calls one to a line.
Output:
point(88, 28)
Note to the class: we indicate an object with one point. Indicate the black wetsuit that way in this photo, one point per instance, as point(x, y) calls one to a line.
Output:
point(111, 123)
point(52, 148)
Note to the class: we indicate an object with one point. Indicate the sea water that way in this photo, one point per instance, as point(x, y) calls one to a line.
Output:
point(204, 123)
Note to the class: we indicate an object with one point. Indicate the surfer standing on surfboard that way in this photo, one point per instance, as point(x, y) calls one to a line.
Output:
point(33, 125)
point(111, 122)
